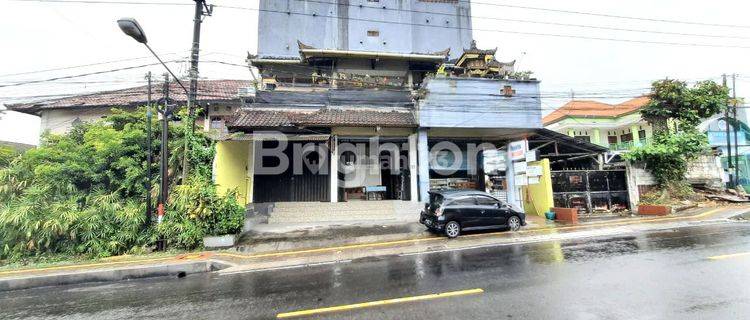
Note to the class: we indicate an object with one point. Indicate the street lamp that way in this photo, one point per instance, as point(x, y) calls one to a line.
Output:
point(132, 28)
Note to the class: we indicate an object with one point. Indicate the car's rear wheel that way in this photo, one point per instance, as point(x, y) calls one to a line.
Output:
point(514, 223)
point(452, 229)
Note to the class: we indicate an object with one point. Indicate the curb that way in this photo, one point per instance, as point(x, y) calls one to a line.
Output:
point(178, 270)
point(247, 255)
point(26, 279)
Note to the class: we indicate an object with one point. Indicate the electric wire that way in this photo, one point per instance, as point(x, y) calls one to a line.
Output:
point(541, 34)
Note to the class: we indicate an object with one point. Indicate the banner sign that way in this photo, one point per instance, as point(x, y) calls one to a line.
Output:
point(534, 171)
point(519, 167)
point(517, 150)
point(520, 180)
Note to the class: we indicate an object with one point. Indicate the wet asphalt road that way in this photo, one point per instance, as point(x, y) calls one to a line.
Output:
point(651, 275)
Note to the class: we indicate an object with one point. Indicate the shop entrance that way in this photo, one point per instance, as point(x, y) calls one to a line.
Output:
point(367, 174)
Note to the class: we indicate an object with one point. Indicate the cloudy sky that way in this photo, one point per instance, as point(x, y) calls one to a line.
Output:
point(612, 62)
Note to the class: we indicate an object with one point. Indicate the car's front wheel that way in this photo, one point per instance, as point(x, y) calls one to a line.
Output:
point(514, 223)
point(452, 229)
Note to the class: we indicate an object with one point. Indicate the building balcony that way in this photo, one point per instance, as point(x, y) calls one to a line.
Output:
point(628, 145)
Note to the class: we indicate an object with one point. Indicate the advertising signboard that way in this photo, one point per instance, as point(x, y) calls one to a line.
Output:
point(517, 150)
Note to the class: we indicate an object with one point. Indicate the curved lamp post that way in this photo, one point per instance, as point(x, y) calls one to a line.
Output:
point(132, 28)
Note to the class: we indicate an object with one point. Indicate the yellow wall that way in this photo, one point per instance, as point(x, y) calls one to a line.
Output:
point(537, 198)
point(231, 169)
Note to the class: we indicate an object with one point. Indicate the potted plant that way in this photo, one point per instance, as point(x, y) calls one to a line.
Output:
point(226, 223)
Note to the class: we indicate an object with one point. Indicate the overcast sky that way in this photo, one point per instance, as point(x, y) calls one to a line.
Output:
point(39, 36)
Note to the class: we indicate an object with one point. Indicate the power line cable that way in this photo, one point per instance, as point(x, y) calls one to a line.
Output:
point(81, 75)
point(489, 30)
point(474, 17)
point(606, 15)
point(80, 66)
point(457, 28)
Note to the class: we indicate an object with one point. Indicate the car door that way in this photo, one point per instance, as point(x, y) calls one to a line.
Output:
point(493, 212)
point(464, 210)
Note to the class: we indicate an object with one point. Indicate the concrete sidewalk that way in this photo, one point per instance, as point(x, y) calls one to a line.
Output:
point(309, 245)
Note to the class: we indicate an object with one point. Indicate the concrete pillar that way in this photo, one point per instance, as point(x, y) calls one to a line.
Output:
point(333, 173)
point(413, 173)
point(423, 151)
point(510, 180)
point(250, 170)
point(633, 194)
point(596, 137)
point(636, 138)
point(207, 121)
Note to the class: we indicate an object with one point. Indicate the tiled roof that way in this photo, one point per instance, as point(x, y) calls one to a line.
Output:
point(324, 117)
point(586, 108)
point(208, 90)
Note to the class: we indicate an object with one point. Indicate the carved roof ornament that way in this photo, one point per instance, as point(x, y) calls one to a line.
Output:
point(445, 52)
point(303, 46)
point(476, 50)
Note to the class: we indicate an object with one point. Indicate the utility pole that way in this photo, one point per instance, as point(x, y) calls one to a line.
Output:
point(729, 137)
point(200, 5)
point(149, 156)
point(164, 170)
point(736, 124)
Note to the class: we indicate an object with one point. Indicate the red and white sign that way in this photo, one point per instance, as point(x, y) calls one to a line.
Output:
point(517, 150)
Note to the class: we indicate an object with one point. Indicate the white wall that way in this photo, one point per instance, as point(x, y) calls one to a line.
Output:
point(59, 121)
point(19, 127)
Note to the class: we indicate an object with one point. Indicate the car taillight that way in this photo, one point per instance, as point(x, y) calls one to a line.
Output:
point(439, 211)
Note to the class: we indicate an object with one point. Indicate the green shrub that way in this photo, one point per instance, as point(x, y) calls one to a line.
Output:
point(83, 193)
point(196, 210)
point(667, 158)
point(7, 154)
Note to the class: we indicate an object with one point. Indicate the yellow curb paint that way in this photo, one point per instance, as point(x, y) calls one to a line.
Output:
point(606, 224)
point(728, 256)
point(347, 247)
point(378, 303)
point(327, 249)
point(102, 264)
point(381, 244)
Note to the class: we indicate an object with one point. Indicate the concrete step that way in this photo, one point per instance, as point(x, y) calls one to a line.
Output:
point(328, 216)
point(349, 204)
point(333, 219)
point(303, 212)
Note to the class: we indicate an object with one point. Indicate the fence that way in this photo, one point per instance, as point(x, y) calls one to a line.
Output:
point(591, 191)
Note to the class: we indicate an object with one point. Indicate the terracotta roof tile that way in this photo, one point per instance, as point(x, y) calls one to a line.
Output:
point(208, 90)
point(325, 117)
point(587, 108)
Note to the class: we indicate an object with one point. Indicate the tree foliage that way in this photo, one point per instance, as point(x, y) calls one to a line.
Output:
point(674, 111)
point(83, 193)
point(674, 100)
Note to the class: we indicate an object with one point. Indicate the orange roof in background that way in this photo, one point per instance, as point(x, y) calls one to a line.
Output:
point(588, 108)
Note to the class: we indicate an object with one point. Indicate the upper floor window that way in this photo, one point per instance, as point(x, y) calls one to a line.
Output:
point(373, 33)
point(508, 91)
